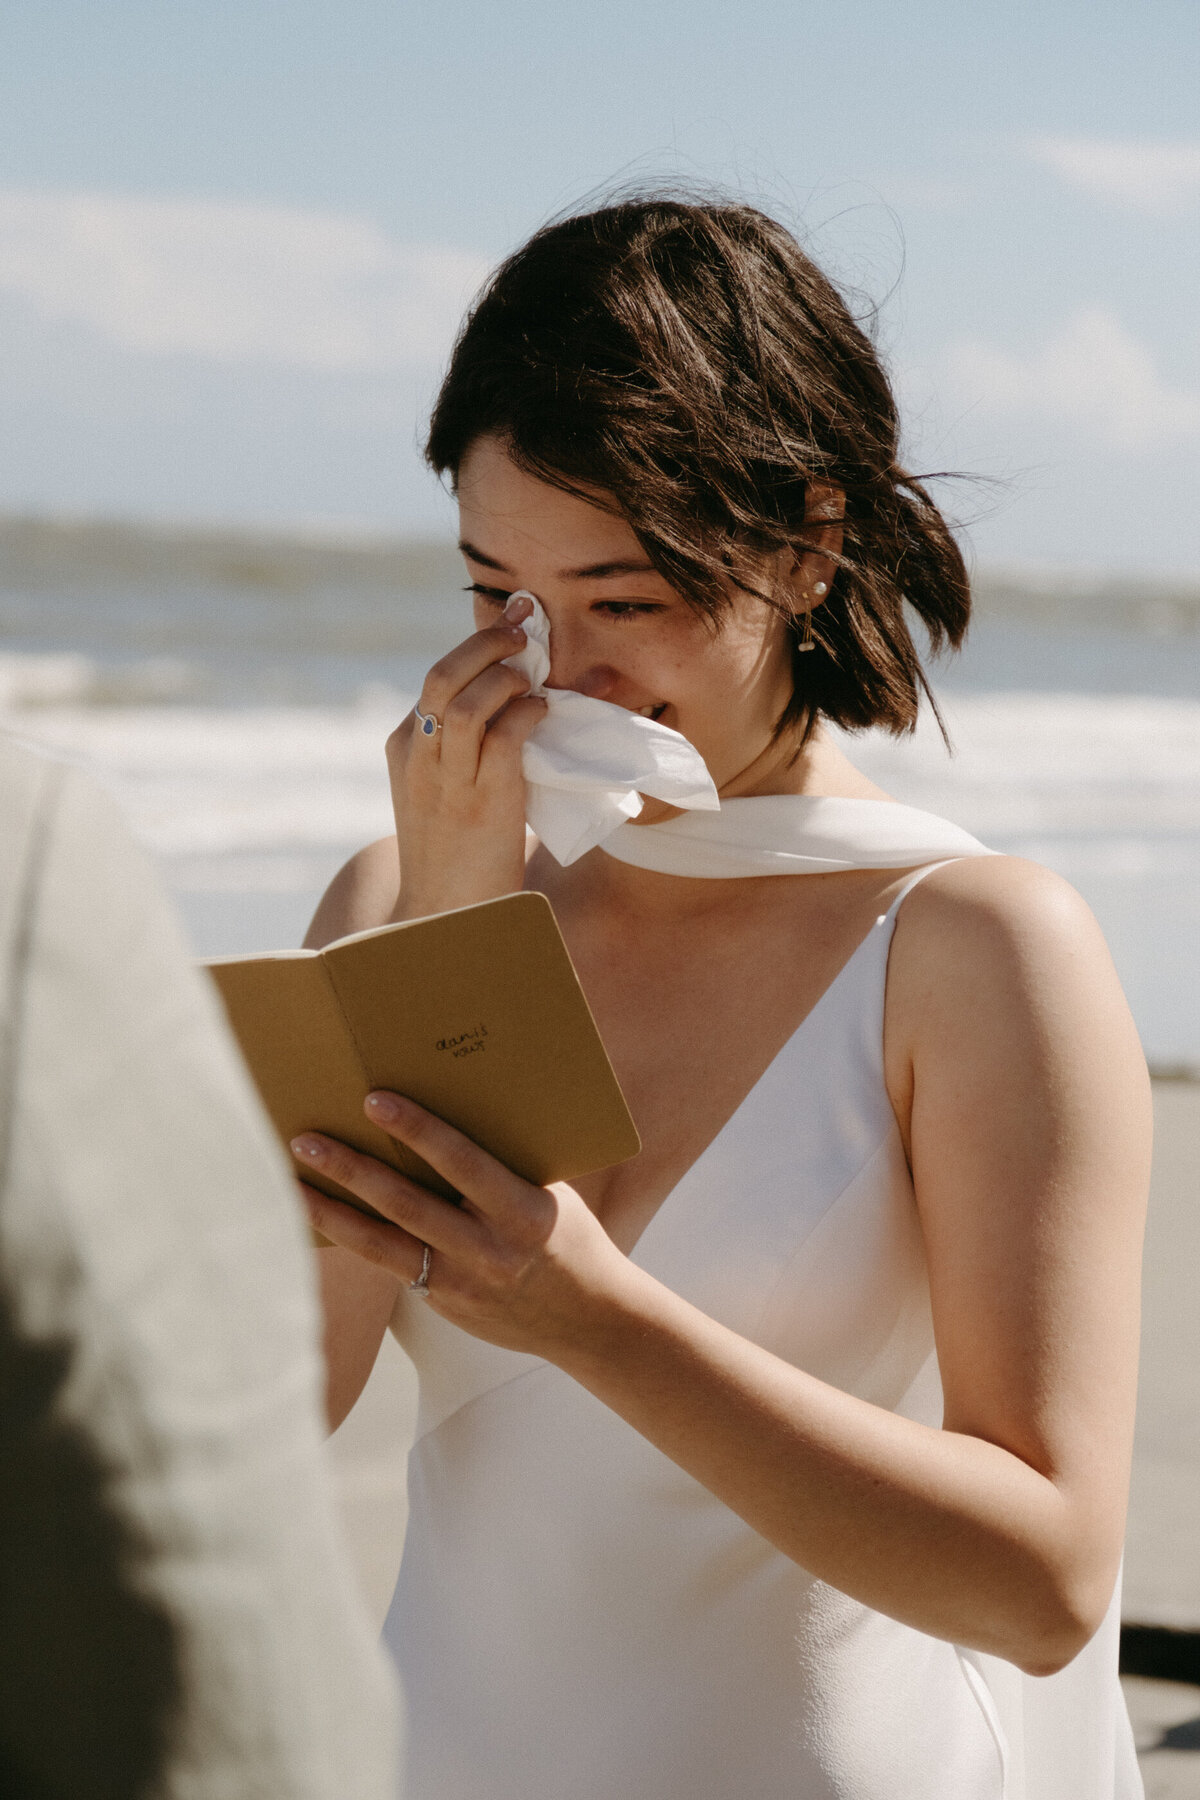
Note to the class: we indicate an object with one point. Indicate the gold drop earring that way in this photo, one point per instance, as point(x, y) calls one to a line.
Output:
point(808, 642)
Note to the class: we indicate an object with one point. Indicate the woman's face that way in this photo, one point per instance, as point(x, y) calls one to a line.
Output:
point(618, 631)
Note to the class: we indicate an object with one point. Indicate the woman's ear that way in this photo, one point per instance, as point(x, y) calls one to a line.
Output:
point(816, 565)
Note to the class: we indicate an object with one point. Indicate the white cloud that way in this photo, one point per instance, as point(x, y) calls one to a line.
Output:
point(1149, 177)
point(1092, 373)
point(233, 283)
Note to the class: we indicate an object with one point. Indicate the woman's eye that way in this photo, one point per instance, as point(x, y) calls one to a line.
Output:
point(626, 609)
point(611, 609)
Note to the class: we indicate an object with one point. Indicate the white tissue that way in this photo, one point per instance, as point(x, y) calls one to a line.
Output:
point(588, 762)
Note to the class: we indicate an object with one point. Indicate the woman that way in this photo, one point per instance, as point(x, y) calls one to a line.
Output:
point(790, 1457)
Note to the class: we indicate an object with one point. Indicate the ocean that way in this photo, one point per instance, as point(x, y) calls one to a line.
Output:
point(234, 691)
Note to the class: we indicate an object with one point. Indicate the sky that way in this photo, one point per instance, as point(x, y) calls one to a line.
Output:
point(236, 236)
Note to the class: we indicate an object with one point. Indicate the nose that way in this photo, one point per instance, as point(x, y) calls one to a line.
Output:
point(574, 665)
point(598, 681)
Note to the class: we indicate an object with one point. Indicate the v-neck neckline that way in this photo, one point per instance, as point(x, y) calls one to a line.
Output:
point(869, 938)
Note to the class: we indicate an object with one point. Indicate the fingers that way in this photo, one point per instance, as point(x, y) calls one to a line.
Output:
point(486, 1185)
point(519, 607)
point(403, 1203)
point(341, 1226)
point(467, 716)
point(459, 800)
point(508, 732)
point(468, 660)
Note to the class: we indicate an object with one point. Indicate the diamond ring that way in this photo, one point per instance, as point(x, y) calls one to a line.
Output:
point(420, 1286)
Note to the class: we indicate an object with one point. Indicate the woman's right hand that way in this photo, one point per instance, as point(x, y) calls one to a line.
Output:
point(459, 795)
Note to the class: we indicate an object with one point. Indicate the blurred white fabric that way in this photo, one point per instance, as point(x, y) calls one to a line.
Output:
point(164, 1493)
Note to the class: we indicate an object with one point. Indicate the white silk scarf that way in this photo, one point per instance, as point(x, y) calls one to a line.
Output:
point(792, 834)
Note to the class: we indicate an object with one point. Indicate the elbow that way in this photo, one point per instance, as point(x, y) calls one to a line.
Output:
point(1067, 1619)
point(1051, 1656)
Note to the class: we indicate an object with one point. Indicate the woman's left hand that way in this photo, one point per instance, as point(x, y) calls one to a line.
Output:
point(518, 1265)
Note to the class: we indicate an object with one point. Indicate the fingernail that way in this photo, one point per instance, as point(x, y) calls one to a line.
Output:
point(310, 1147)
point(384, 1106)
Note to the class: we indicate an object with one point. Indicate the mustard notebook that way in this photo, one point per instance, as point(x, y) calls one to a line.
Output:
point(477, 1014)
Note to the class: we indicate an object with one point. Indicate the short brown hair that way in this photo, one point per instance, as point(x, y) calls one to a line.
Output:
point(689, 359)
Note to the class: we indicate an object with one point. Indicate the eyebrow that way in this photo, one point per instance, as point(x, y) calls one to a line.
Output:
point(591, 572)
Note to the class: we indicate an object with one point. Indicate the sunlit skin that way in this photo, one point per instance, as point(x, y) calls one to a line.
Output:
point(1011, 1063)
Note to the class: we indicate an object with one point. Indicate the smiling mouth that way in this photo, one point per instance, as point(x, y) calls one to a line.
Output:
point(652, 712)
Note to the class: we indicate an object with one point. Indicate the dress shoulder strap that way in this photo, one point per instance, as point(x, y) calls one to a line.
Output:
point(915, 880)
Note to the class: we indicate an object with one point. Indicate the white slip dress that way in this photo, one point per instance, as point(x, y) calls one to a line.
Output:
point(578, 1619)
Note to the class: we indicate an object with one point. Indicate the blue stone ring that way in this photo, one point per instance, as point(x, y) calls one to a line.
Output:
point(427, 725)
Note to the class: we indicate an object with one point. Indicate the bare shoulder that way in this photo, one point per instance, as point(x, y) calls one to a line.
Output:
point(992, 912)
point(1000, 976)
point(361, 895)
